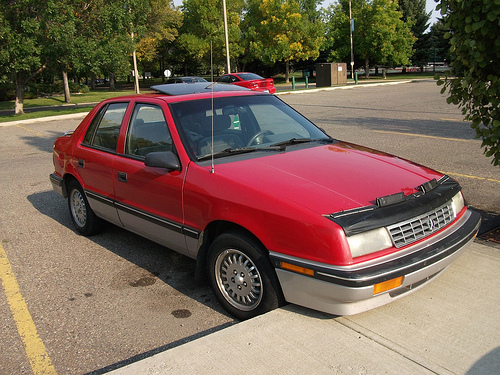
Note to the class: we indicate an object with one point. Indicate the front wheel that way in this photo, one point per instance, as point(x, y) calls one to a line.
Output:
point(242, 276)
point(84, 219)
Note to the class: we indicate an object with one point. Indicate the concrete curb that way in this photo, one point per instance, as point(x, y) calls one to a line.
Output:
point(70, 116)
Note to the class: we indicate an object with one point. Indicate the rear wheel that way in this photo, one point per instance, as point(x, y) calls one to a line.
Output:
point(242, 276)
point(84, 219)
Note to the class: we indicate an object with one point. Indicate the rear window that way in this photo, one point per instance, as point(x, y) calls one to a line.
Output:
point(248, 76)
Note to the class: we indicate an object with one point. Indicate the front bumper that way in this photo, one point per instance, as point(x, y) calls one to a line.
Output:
point(348, 290)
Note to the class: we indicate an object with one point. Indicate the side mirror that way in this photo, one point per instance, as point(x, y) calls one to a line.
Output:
point(165, 159)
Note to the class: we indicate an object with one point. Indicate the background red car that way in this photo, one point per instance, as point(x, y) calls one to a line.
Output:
point(251, 81)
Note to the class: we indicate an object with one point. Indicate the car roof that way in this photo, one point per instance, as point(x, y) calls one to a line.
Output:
point(195, 88)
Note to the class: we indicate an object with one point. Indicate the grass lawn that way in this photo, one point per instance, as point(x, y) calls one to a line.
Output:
point(55, 105)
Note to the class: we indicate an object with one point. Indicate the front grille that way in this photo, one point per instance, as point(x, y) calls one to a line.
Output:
point(412, 230)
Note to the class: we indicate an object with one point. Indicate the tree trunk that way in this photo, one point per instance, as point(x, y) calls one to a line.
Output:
point(93, 77)
point(67, 94)
point(287, 71)
point(19, 105)
point(112, 85)
point(367, 68)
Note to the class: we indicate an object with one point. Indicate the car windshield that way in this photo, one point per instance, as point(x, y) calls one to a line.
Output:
point(248, 76)
point(256, 122)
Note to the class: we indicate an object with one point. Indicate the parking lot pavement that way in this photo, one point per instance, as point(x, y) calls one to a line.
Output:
point(451, 326)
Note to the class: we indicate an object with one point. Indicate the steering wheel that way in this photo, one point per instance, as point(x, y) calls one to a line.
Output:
point(259, 137)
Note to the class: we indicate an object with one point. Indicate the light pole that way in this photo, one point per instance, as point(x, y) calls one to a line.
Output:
point(134, 58)
point(226, 36)
point(351, 27)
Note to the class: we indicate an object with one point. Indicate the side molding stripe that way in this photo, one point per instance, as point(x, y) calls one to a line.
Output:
point(171, 225)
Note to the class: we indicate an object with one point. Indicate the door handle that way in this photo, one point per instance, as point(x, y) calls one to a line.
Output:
point(122, 177)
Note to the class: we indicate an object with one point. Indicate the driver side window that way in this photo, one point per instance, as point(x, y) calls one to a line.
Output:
point(148, 131)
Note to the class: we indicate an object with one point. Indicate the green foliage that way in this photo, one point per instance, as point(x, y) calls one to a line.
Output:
point(414, 13)
point(20, 25)
point(203, 23)
point(277, 30)
point(474, 83)
point(439, 46)
point(380, 35)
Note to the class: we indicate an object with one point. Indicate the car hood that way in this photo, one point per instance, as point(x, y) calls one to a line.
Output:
point(329, 178)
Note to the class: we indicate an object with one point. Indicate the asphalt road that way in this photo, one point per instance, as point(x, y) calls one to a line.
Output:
point(100, 302)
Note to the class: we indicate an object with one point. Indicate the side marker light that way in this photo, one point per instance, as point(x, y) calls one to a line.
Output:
point(387, 285)
point(293, 267)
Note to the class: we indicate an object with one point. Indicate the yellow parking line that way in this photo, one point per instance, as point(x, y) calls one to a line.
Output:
point(469, 176)
point(35, 349)
point(424, 136)
point(25, 128)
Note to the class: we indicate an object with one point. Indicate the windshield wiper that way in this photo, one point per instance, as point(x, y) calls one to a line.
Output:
point(227, 151)
point(292, 141)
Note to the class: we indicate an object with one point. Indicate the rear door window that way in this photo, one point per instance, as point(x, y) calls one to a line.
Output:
point(105, 128)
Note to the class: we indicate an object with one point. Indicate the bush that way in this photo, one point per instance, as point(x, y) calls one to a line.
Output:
point(474, 83)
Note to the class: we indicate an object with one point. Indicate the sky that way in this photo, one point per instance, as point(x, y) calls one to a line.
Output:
point(431, 7)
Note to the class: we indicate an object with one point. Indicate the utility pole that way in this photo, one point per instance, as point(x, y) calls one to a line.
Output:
point(134, 58)
point(351, 27)
point(226, 36)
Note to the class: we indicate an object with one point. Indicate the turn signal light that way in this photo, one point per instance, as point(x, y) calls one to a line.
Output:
point(293, 267)
point(387, 285)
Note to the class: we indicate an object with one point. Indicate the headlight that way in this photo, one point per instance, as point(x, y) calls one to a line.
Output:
point(458, 203)
point(369, 242)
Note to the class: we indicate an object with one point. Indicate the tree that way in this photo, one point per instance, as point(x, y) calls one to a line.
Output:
point(60, 31)
point(21, 31)
point(277, 30)
point(439, 47)
point(380, 35)
point(162, 23)
point(414, 13)
point(203, 26)
point(474, 82)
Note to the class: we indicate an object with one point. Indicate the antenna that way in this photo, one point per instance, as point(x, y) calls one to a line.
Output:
point(212, 170)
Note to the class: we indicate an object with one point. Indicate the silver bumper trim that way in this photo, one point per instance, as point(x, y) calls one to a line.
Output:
point(349, 290)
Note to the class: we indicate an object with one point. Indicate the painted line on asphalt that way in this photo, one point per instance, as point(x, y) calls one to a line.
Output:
point(35, 349)
point(32, 131)
point(473, 177)
point(443, 138)
point(425, 136)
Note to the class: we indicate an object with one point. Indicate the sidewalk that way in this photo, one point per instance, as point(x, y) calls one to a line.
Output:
point(452, 326)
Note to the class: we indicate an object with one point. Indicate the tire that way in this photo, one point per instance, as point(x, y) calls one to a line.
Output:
point(84, 219)
point(242, 276)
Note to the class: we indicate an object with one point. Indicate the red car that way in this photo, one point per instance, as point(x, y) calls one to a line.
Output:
point(272, 208)
point(250, 81)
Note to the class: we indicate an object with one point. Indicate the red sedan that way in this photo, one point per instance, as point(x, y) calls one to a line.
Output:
point(251, 81)
point(273, 209)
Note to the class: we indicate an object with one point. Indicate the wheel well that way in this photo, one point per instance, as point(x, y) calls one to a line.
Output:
point(67, 179)
point(211, 232)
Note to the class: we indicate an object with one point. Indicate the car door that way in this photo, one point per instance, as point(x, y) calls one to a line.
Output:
point(149, 200)
point(95, 156)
